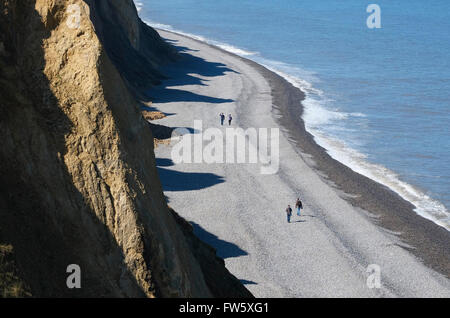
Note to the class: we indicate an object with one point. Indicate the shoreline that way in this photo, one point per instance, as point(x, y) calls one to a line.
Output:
point(426, 205)
point(429, 241)
point(362, 234)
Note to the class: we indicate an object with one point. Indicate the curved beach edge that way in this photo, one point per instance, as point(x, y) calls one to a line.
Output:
point(422, 237)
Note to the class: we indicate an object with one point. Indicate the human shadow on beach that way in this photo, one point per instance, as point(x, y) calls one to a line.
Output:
point(172, 180)
point(223, 248)
point(187, 71)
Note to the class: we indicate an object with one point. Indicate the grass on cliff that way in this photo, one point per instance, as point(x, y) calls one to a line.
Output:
point(11, 286)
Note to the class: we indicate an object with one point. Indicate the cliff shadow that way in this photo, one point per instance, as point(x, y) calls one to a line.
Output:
point(173, 180)
point(169, 95)
point(165, 132)
point(247, 282)
point(223, 248)
point(188, 70)
point(222, 283)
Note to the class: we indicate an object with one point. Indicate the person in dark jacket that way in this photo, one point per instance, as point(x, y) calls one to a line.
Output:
point(289, 213)
point(299, 206)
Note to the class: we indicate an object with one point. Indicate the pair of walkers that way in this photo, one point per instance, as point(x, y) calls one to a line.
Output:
point(298, 206)
point(222, 119)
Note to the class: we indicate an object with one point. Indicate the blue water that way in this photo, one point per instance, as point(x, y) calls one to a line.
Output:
point(378, 99)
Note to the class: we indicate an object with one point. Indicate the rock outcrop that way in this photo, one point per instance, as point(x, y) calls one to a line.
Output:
point(79, 183)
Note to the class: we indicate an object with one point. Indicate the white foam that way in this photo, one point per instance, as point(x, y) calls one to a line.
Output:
point(316, 115)
point(224, 46)
point(139, 5)
point(425, 205)
point(282, 69)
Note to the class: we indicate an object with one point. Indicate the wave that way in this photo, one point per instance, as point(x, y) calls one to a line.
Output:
point(316, 115)
point(139, 5)
point(425, 206)
point(224, 46)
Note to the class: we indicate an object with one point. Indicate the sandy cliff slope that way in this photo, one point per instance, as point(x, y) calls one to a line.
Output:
point(78, 178)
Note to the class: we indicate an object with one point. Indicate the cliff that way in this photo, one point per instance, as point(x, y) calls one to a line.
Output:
point(79, 184)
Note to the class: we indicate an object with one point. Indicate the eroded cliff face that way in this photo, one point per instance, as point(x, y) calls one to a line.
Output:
point(79, 183)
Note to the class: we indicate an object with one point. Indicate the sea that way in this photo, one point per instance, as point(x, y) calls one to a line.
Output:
point(376, 78)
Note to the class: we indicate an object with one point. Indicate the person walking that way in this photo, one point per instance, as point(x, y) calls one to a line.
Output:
point(229, 119)
point(222, 118)
point(299, 206)
point(289, 213)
